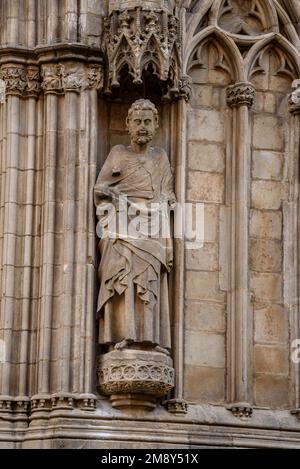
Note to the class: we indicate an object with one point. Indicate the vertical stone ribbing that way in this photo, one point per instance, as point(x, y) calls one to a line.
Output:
point(48, 244)
point(31, 22)
point(29, 270)
point(71, 20)
point(10, 240)
point(68, 266)
point(52, 21)
point(240, 97)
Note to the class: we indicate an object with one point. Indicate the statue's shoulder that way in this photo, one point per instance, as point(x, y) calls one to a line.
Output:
point(159, 152)
point(118, 149)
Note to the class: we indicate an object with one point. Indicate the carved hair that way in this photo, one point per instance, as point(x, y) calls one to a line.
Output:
point(143, 105)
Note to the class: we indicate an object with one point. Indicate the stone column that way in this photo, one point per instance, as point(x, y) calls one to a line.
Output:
point(291, 212)
point(17, 207)
point(240, 97)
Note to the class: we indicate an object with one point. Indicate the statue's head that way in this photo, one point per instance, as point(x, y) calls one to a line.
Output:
point(142, 121)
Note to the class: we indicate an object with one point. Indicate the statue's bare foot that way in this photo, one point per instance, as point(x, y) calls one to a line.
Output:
point(162, 350)
point(123, 344)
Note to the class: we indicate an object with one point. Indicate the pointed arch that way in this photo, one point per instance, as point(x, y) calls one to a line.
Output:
point(195, 19)
point(288, 24)
point(229, 46)
point(282, 43)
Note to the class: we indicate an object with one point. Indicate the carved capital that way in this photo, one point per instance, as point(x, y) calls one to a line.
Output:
point(240, 94)
point(241, 409)
point(294, 99)
point(53, 76)
point(15, 78)
point(33, 85)
point(71, 77)
point(95, 77)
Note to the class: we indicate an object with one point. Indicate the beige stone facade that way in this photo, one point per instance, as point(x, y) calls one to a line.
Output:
point(224, 75)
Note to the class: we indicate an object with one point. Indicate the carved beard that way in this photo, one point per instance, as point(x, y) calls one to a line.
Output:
point(142, 138)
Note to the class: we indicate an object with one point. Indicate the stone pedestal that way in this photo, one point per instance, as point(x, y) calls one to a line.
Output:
point(135, 378)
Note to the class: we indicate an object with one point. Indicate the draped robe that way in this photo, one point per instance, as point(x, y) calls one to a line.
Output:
point(133, 301)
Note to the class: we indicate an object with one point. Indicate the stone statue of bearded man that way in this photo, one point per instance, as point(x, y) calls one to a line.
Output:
point(135, 188)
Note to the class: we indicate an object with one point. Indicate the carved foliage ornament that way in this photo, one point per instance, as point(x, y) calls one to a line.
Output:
point(138, 38)
point(240, 94)
point(20, 80)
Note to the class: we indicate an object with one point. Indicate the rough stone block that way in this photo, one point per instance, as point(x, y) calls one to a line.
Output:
point(266, 287)
point(271, 324)
point(205, 187)
point(206, 124)
point(271, 359)
point(205, 258)
point(267, 132)
point(267, 194)
point(206, 157)
point(203, 286)
point(211, 222)
point(270, 103)
point(204, 384)
point(204, 349)
point(265, 255)
point(267, 165)
point(272, 391)
point(266, 224)
point(205, 316)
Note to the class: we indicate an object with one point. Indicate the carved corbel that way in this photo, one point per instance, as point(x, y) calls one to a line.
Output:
point(240, 94)
point(294, 99)
point(139, 35)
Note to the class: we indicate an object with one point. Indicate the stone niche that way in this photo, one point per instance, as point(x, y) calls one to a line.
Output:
point(143, 53)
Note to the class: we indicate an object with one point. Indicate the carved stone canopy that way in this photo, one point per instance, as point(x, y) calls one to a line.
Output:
point(141, 36)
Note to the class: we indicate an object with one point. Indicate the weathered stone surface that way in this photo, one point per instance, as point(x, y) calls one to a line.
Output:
point(204, 384)
point(265, 255)
point(203, 286)
point(205, 258)
point(267, 132)
point(205, 316)
point(206, 157)
point(271, 359)
point(204, 349)
point(205, 187)
point(267, 165)
point(271, 390)
point(266, 224)
point(270, 324)
point(202, 121)
point(267, 195)
point(266, 286)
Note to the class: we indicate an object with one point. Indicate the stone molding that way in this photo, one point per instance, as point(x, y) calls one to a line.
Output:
point(67, 401)
point(240, 94)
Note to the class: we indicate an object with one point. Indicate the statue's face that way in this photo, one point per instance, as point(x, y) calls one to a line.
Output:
point(141, 126)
